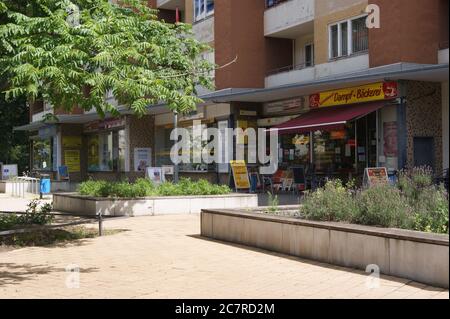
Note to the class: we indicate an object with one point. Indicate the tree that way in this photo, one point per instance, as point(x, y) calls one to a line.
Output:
point(13, 145)
point(72, 53)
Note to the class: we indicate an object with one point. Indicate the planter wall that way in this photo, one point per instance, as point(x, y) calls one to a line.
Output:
point(84, 205)
point(413, 255)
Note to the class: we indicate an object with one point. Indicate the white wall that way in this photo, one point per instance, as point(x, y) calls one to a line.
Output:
point(204, 30)
point(286, 15)
point(299, 54)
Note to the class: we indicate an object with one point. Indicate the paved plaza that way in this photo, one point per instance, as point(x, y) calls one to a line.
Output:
point(164, 257)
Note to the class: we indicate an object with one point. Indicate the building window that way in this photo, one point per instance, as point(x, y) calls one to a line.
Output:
point(203, 8)
point(309, 55)
point(106, 152)
point(348, 37)
point(360, 35)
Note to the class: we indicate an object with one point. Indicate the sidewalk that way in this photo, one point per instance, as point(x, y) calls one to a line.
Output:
point(163, 257)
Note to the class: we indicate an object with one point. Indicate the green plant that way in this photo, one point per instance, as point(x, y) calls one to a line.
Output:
point(412, 181)
point(431, 210)
point(34, 215)
point(144, 187)
point(384, 206)
point(334, 202)
point(74, 52)
point(273, 203)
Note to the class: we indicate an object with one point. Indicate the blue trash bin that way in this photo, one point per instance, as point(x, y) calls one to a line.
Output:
point(45, 186)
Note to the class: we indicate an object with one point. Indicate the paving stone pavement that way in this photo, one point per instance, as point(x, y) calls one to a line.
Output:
point(163, 257)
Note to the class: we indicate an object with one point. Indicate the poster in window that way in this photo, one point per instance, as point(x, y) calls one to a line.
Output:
point(142, 159)
point(72, 160)
point(155, 174)
point(390, 139)
point(71, 142)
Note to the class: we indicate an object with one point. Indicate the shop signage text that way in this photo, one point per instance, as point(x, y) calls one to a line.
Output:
point(287, 107)
point(367, 93)
point(105, 125)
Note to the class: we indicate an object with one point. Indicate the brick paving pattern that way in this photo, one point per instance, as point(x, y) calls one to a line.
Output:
point(163, 257)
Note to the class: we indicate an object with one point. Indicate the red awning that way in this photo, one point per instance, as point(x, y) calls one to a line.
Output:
point(326, 119)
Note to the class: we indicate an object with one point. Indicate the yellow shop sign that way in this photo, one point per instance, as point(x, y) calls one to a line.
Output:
point(240, 174)
point(358, 94)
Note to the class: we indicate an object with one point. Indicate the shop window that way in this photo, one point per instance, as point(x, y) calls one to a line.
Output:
point(360, 35)
point(43, 154)
point(334, 151)
point(295, 149)
point(348, 37)
point(107, 152)
point(164, 146)
point(203, 8)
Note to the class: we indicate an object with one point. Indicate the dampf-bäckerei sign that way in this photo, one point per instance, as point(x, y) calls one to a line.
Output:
point(359, 94)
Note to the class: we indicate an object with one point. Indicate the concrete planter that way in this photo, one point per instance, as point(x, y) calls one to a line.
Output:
point(85, 205)
point(417, 256)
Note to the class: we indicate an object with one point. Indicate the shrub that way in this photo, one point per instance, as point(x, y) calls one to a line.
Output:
point(431, 210)
point(412, 181)
point(94, 188)
point(144, 187)
point(331, 203)
point(383, 205)
point(34, 215)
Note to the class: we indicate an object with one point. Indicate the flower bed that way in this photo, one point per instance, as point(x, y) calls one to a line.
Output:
point(144, 198)
point(414, 204)
point(145, 188)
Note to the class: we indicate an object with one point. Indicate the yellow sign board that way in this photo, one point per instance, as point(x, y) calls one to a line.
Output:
point(240, 174)
point(72, 160)
point(358, 94)
point(71, 141)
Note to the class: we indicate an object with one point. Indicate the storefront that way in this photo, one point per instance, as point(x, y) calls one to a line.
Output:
point(341, 132)
point(206, 116)
point(106, 146)
point(44, 150)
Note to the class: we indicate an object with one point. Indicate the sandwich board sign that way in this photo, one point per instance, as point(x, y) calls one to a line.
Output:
point(240, 175)
point(374, 176)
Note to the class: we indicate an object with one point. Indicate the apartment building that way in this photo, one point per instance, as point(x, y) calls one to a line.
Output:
point(343, 96)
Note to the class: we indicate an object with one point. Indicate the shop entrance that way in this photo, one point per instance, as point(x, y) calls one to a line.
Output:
point(424, 151)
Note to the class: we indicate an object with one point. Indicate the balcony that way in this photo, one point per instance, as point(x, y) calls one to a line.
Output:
point(289, 19)
point(171, 4)
point(302, 73)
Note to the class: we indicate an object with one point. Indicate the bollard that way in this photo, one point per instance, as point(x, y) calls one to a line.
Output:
point(100, 224)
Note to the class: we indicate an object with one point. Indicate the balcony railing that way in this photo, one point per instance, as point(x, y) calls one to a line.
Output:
point(289, 68)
